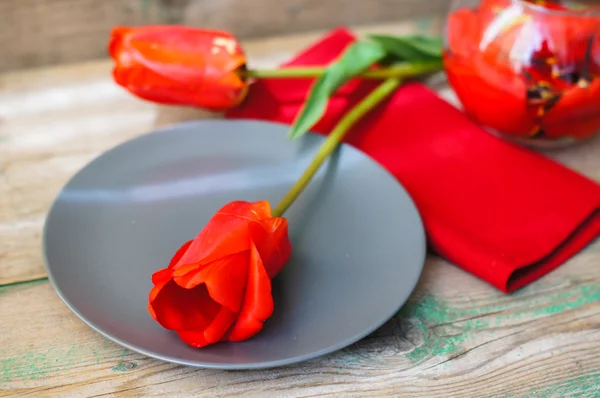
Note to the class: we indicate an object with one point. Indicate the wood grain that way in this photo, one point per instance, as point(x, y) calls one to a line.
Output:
point(542, 341)
point(37, 33)
point(55, 120)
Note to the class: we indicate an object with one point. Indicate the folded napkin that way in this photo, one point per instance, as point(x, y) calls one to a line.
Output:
point(501, 212)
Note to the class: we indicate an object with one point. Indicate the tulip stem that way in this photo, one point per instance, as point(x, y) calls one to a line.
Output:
point(404, 70)
point(334, 138)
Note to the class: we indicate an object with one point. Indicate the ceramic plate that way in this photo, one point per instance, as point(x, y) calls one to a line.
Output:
point(358, 242)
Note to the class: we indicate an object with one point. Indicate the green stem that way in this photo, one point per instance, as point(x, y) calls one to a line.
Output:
point(334, 138)
point(404, 70)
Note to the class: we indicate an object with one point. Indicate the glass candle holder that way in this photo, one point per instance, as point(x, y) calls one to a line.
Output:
point(527, 70)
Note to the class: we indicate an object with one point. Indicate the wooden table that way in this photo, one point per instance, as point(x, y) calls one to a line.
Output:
point(457, 337)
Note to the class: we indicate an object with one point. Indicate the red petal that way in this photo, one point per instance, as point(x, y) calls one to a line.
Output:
point(152, 312)
point(161, 276)
point(187, 54)
point(226, 282)
point(254, 211)
point(225, 233)
point(221, 324)
point(117, 35)
point(200, 60)
point(179, 253)
point(159, 279)
point(224, 278)
point(155, 87)
point(176, 308)
point(212, 334)
point(258, 302)
point(195, 338)
point(151, 86)
point(272, 242)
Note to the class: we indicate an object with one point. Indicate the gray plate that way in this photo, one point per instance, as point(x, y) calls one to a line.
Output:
point(358, 242)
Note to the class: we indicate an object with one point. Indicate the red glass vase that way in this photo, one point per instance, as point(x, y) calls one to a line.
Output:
point(527, 70)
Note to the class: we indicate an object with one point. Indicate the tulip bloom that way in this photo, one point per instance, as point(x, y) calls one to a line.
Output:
point(525, 71)
point(217, 287)
point(179, 65)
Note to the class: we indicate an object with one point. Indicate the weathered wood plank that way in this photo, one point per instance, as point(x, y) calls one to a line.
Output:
point(55, 120)
point(78, 29)
point(45, 139)
point(541, 341)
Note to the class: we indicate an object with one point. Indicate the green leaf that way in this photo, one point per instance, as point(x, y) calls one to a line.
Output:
point(411, 48)
point(357, 58)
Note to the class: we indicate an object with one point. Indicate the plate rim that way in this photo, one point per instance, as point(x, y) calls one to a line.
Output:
point(422, 254)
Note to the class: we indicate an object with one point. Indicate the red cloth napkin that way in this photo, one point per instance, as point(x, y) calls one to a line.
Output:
point(499, 211)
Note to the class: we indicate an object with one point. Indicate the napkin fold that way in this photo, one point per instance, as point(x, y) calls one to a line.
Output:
point(499, 211)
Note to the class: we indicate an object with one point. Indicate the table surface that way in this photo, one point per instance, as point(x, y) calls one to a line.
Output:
point(543, 340)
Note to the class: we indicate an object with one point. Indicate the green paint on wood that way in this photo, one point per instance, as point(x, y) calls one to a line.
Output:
point(429, 312)
point(445, 329)
point(588, 386)
point(40, 364)
point(33, 365)
point(22, 283)
point(124, 366)
point(9, 286)
point(570, 299)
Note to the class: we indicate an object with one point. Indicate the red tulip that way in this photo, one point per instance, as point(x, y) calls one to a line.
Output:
point(217, 287)
point(179, 65)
